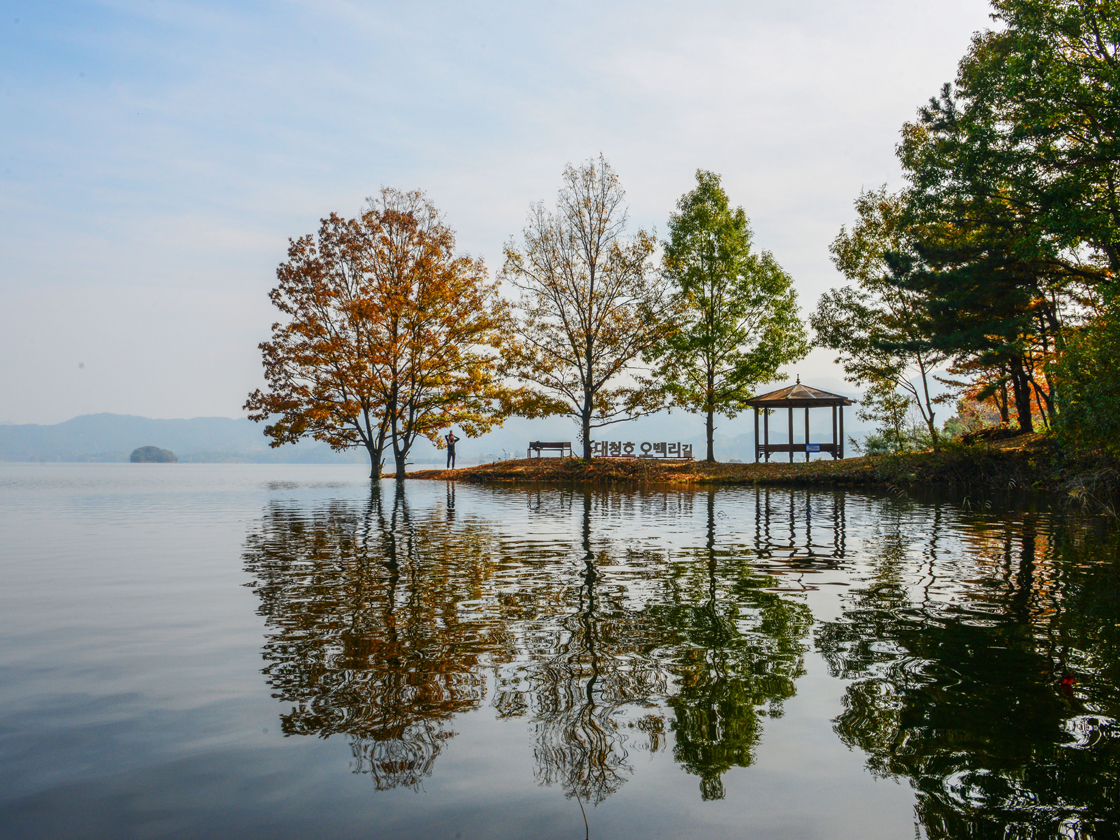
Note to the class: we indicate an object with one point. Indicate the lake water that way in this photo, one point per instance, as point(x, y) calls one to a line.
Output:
point(275, 651)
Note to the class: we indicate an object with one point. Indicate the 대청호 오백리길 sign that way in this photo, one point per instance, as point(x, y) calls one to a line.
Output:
point(645, 449)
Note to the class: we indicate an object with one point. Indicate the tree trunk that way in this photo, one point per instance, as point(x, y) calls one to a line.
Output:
point(375, 463)
point(374, 442)
point(710, 427)
point(1022, 389)
point(400, 456)
point(928, 414)
point(710, 431)
point(391, 407)
point(585, 425)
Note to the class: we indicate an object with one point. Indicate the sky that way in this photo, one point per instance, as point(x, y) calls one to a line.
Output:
point(157, 156)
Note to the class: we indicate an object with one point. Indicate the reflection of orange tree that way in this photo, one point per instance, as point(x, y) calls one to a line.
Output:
point(960, 693)
point(365, 636)
point(735, 655)
point(579, 674)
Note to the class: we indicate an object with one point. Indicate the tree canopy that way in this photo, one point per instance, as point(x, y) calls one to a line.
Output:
point(389, 334)
point(734, 310)
point(590, 306)
point(1005, 237)
point(877, 327)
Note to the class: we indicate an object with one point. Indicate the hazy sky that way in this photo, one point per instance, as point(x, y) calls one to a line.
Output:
point(157, 155)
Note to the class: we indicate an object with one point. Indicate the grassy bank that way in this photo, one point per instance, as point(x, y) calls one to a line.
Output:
point(1023, 462)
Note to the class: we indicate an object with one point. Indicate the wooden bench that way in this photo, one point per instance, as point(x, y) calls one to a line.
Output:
point(550, 445)
point(767, 449)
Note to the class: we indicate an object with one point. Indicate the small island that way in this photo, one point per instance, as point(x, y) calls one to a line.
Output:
point(152, 455)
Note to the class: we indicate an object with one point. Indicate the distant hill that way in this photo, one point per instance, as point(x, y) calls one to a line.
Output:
point(112, 437)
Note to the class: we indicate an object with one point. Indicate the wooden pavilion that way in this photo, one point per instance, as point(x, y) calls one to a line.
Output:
point(789, 398)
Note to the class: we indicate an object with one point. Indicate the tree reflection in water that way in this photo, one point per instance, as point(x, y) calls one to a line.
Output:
point(957, 675)
point(737, 653)
point(580, 671)
point(382, 626)
point(364, 634)
point(693, 637)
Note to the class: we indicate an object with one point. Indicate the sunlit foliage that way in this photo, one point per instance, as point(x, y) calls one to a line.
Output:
point(389, 334)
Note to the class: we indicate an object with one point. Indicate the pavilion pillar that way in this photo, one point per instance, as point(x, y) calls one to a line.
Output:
point(756, 449)
point(841, 431)
point(808, 524)
point(806, 434)
point(835, 450)
point(790, 410)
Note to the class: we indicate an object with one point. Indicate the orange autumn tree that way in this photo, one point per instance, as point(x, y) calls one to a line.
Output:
point(390, 335)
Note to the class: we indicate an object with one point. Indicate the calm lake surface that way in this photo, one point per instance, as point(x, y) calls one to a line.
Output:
point(276, 651)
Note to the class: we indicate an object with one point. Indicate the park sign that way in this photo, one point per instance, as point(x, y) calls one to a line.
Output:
point(645, 449)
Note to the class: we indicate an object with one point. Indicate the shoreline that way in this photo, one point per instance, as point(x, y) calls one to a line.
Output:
point(1023, 462)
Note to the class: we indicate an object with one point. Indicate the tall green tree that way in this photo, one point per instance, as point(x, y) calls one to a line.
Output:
point(735, 310)
point(1018, 173)
point(1089, 392)
point(590, 306)
point(1045, 90)
point(1047, 85)
point(1013, 204)
point(879, 328)
point(993, 279)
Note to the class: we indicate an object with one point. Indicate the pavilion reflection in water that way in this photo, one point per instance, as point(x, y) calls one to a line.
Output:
point(799, 531)
point(676, 622)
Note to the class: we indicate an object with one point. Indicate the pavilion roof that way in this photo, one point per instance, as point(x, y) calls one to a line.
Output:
point(798, 396)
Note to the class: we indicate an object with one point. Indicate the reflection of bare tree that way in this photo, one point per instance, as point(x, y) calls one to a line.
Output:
point(365, 635)
point(637, 633)
point(582, 671)
point(956, 668)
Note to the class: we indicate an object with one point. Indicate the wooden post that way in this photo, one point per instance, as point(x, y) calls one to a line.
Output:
point(768, 542)
point(841, 431)
point(808, 524)
point(835, 451)
point(766, 432)
point(806, 434)
point(756, 450)
point(790, 410)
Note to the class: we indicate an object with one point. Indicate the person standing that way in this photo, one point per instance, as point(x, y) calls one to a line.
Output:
point(451, 439)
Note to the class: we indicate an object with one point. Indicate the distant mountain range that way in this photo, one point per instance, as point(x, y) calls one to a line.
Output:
point(112, 438)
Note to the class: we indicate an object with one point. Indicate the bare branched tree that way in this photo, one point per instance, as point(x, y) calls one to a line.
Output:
point(590, 305)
